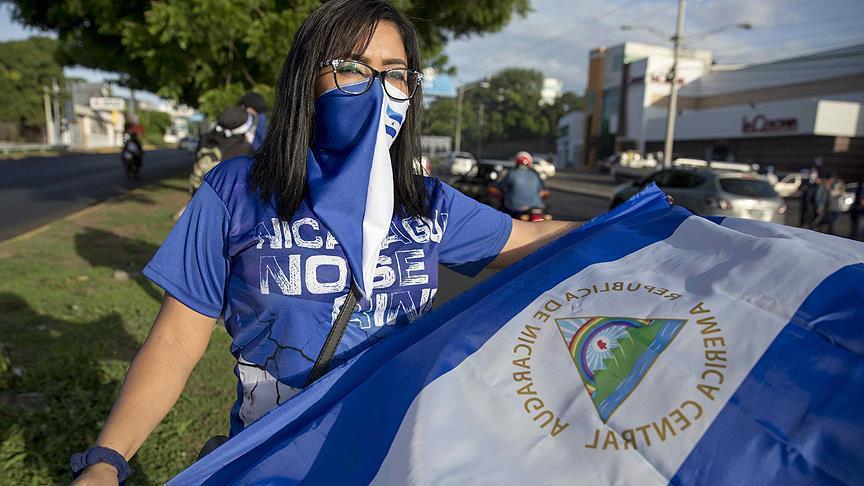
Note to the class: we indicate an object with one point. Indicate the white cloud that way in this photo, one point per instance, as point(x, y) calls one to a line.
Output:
point(558, 36)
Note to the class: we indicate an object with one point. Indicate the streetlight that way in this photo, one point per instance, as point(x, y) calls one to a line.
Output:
point(673, 72)
point(457, 145)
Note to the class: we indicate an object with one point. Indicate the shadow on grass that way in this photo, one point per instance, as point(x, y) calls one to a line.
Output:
point(177, 187)
point(136, 197)
point(104, 249)
point(58, 389)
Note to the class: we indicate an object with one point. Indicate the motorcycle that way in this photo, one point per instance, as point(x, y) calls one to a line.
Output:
point(131, 156)
point(532, 215)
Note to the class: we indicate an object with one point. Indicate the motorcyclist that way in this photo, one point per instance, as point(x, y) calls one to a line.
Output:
point(132, 154)
point(522, 187)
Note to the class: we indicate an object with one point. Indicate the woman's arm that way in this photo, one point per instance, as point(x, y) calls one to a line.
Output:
point(153, 383)
point(527, 237)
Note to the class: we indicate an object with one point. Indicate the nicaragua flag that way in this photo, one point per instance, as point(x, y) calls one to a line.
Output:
point(649, 346)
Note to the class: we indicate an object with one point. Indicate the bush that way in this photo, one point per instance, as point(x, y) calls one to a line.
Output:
point(155, 124)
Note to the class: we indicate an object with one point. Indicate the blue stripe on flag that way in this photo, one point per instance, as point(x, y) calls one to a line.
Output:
point(329, 434)
point(806, 381)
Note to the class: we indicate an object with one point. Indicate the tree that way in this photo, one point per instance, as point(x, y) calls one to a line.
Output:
point(192, 50)
point(25, 67)
point(511, 106)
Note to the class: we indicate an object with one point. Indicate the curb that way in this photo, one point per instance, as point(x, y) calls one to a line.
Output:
point(586, 190)
point(69, 217)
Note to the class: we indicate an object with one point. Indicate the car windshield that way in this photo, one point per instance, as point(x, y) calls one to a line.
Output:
point(747, 187)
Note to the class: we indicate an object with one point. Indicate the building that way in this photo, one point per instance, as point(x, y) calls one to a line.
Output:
point(791, 114)
point(551, 91)
point(93, 119)
point(435, 146)
point(568, 146)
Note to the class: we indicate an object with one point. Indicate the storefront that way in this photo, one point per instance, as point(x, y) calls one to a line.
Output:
point(793, 114)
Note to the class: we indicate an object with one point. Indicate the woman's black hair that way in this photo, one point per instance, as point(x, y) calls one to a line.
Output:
point(333, 31)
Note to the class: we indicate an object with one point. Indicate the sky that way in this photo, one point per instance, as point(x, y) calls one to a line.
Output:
point(558, 35)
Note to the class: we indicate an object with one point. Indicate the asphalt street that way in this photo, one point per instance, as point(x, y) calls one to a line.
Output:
point(37, 190)
point(562, 206)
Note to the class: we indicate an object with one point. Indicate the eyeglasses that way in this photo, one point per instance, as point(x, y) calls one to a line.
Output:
point(355, 78)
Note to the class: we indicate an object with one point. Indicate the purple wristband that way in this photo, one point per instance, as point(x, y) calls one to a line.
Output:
point(93, 455)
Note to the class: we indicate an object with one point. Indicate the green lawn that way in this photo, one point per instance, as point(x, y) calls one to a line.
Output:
point(68, 330)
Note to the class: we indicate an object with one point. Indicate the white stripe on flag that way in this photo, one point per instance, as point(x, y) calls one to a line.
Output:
point(471, 426)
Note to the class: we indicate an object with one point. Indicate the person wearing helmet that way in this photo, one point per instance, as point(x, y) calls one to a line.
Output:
point(522, 186)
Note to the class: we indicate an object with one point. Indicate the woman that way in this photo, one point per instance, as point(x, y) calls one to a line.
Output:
point(329, 202)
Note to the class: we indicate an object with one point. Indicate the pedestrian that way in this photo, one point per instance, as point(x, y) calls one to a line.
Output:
point(809, 204)
point(328, 212)
point(856, 212)
point(257, 106)
point(828, 202)
point(227, 139)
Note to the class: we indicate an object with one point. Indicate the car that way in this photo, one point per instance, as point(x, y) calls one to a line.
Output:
point(848, 198)
point(188, 144)
point(713, 192)
point(422, 166)
point(790, 184)
point(632, 165)
point(544, 168)
point(460, 163)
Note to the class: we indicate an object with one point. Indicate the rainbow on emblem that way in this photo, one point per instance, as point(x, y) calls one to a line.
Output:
point(613, 354)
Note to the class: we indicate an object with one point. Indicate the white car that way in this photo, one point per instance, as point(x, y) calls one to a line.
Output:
point(790, 185)
point(544, 168)
point(461, 163)
point(422, 166)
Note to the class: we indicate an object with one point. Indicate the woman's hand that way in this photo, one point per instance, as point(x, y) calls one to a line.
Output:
point(99, 474)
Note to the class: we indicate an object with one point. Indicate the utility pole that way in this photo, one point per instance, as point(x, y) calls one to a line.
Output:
point(457, 145)
point(481, 119)
point(56, 110)
point(673, 90)
point(49, 117)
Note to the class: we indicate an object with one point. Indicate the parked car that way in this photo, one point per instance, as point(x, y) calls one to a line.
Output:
point(631, 165)
point(460, 163)
point(478, 182)
point(790, 184)
point(188, 144)
point(422, 166)
point(713, 192)
point(848, 197)
point(544, 168)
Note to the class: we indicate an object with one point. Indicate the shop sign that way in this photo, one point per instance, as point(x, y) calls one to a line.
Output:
point(762, 124)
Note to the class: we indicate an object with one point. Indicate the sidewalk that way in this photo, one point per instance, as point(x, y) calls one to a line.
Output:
point(586, 184)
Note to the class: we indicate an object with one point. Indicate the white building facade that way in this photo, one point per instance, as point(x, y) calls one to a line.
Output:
point(788, 113)
point(571, 128)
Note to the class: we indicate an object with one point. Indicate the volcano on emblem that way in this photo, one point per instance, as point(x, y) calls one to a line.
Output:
point(613, 354)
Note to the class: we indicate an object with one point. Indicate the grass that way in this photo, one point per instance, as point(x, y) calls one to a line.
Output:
point(69, 329)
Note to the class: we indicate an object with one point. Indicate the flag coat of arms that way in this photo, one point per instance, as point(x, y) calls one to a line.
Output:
point(649, 346)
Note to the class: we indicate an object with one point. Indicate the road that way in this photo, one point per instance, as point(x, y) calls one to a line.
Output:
point(563, 206)
point(37, 190)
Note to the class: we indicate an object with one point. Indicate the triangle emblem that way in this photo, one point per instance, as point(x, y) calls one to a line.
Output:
point(613, 354)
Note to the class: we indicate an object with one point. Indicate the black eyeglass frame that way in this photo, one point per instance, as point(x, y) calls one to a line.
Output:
point(375, 74)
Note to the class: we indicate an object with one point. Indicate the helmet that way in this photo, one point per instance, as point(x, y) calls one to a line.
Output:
point(524, 158)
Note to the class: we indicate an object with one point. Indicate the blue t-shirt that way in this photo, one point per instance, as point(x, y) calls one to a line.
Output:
point(279, 284)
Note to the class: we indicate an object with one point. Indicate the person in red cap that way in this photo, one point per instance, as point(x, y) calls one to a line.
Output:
point(522, 186)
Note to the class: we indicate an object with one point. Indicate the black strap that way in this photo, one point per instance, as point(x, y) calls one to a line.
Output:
point(334, 336)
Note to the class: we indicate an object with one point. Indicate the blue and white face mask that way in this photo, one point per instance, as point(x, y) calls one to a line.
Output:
point(349, 172)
